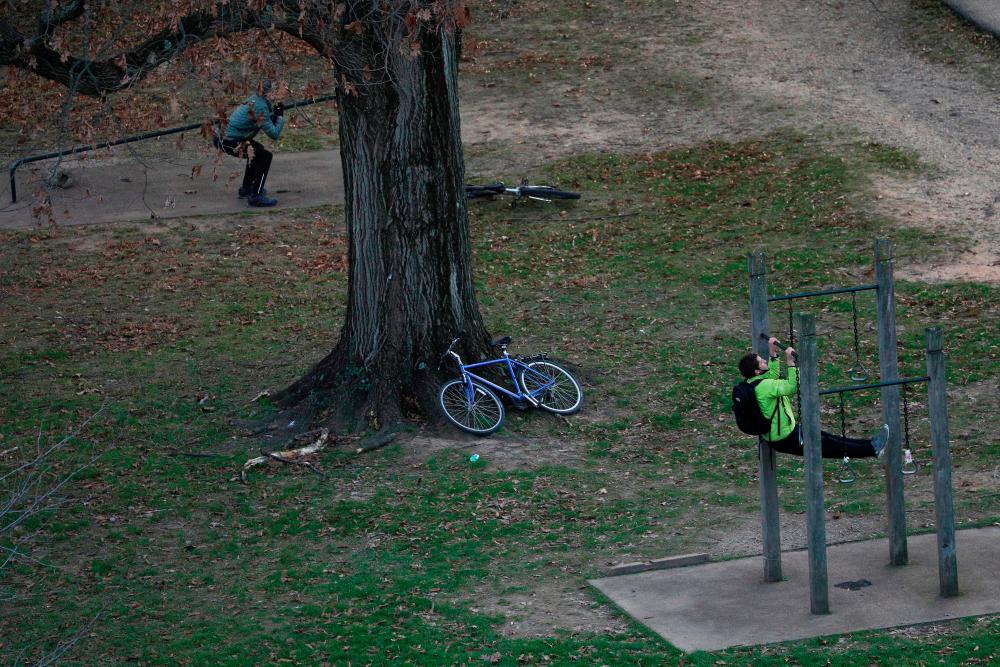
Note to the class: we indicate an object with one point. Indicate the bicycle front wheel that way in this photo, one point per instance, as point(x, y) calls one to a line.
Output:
point(546, 192)
point(471, 407)
point(553, 387)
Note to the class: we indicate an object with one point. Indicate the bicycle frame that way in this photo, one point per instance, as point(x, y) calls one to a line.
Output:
point(511, 365)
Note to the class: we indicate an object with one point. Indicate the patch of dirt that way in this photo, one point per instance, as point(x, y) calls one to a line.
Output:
point(548, 607)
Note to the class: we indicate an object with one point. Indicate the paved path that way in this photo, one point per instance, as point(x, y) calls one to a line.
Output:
point(126, 189)
point(985, 14)
point(718, 605)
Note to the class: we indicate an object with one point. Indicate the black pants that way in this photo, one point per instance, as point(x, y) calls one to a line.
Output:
point(833, 446)
point(257, 167)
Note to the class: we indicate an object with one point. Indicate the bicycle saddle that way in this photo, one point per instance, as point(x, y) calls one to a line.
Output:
point(502, 342)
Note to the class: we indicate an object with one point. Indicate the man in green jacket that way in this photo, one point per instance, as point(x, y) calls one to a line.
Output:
point(774, 398)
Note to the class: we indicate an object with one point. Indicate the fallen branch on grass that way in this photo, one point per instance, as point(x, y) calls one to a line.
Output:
point(291, 456)
point(281, 459)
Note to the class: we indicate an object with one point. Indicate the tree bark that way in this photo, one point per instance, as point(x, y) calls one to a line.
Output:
point(410, 287)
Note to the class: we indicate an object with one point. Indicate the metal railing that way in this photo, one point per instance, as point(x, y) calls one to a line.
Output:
point(127, 140)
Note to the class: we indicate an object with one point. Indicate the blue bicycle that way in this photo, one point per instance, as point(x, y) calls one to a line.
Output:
point(471, 402)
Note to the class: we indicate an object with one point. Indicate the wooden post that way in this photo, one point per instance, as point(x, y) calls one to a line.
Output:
point(767, 476)
point(819, 598)
point(888, 360)
point(937, 405)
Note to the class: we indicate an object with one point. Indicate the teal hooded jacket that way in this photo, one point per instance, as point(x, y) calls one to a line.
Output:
point(251, 116)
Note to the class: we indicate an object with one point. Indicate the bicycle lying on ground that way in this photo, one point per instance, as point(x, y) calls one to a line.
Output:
point(471, 402)
point(544, 193)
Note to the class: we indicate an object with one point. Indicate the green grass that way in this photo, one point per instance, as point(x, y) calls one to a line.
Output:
point(395, 555)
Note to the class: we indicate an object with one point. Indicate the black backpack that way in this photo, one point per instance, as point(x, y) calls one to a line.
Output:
point(749, 418)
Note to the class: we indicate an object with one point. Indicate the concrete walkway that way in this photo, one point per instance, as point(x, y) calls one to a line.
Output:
point(718, 605)
point(984, 14)
point(127, 189)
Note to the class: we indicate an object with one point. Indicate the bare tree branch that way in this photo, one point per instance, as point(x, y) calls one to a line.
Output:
point(53, 16)
point(96, 77)
point(28, 491)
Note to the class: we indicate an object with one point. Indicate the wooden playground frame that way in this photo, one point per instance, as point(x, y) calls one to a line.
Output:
point(889, 385)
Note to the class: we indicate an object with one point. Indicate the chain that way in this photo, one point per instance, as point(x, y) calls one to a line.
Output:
point(906, 419)
point(843, 423)
point(791, 343)
point(859, 373)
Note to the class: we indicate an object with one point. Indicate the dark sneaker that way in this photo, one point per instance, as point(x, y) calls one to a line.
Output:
point(245, 192)
point(262, 200)
point(880, 439)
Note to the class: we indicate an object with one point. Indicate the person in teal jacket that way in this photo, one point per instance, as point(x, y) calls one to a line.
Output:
point(774, 396)
point(255, 114)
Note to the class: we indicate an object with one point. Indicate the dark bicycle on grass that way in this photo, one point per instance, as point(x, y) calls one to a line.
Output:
point(543, 193)
point(471, 402)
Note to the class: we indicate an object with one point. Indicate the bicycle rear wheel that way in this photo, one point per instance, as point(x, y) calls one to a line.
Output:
point(555, 389)
point(481, 413)
point(546, 192)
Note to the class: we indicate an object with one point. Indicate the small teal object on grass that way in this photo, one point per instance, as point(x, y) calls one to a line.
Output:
point(473, 458)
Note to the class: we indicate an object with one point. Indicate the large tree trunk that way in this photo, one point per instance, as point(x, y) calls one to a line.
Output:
point(410, 278)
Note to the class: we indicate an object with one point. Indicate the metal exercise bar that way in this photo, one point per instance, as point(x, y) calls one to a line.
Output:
point(89, 147)
point(127, 140)
point(806, 295)
point(876, 385)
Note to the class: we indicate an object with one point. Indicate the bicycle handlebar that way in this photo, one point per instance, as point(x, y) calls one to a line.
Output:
point(449, 350)
point(498, 187)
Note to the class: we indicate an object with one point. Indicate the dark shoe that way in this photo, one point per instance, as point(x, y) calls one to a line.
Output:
point(245, 192)
point(880, 439)
point(261, 200)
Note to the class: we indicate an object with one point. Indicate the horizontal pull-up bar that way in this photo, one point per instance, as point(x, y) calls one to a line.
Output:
point(806, 295)
point(888, 383)
point(128, 140)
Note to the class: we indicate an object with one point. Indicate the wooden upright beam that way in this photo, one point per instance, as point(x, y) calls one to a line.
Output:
point(888, 359)
point(767, 476)
point(819, 592)
point(937, 405)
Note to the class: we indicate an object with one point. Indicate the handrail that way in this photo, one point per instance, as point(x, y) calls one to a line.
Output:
point(127, 140)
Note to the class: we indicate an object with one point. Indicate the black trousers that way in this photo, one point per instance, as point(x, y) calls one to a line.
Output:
point(833, 446)
point(257, 167)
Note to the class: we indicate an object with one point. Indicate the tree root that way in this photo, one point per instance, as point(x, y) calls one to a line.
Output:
point(380, 439)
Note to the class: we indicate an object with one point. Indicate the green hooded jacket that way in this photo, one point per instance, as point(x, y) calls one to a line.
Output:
point(771, 390)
